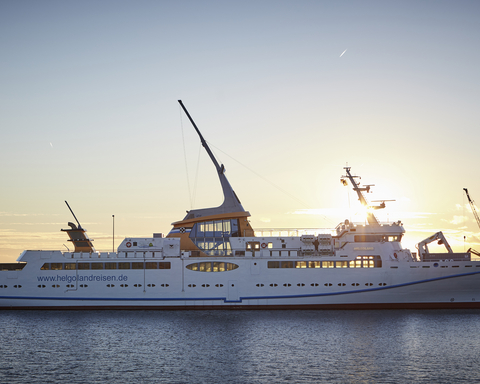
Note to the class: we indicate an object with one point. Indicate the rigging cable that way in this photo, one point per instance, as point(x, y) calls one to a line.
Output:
point(271, 183)
point(185, 158)
point(195, 184)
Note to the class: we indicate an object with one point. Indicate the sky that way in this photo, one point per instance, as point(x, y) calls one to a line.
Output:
point(287, 93)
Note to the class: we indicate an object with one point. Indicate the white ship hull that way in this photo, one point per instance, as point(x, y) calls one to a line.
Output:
point(449, 284)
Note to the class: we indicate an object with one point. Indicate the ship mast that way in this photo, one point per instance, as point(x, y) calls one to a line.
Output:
point(231, 202)
point(371, 219)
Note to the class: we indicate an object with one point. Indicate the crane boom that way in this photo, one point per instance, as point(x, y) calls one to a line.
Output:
point(472, 204)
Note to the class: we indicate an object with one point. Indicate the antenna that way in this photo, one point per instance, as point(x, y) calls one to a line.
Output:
point(75, 217)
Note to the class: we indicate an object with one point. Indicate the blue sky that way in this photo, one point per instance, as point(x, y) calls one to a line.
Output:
point(89, 114)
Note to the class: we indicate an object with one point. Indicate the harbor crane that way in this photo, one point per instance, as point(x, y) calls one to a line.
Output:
point(473, 207)
point(472, 204)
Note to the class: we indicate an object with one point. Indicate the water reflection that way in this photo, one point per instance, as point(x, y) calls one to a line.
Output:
point(239, 346)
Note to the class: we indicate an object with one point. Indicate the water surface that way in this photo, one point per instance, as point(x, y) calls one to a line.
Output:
point(394, 346)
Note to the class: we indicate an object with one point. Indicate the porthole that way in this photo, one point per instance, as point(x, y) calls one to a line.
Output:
point(218, 285)
point(314, 284)
point(110, 285)
point(382, 284)
point(328, 284)
point(205, 285)
point(83, 285)
point(41, 286)
point(260, 285)
point(17, 286)
point(368, 284)
point(273, 285)
point(124, 285)
point(287, 285)
point(300, 284)
point(341, 284)
point(55, 286)
point(151, 285)
point(164, 285)
point(70, 285)
point(355, 284)
point(192, 285)
point(137, 285)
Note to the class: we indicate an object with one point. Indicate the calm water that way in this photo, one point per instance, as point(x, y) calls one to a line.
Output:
point(240, 346)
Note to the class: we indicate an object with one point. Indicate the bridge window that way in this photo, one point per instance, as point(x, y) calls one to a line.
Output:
point(213, 237)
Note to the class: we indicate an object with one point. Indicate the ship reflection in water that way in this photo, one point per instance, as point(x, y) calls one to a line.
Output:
point(395, 346)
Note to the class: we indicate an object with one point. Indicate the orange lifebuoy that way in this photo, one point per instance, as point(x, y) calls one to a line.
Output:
point(395, 255)
point(264, 245)
point(128, 244)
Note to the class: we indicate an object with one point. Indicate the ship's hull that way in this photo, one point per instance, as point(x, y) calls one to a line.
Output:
point(252, 285)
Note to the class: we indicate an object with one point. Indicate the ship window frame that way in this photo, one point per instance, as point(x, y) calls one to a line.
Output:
point(301, 264)
point(56, 266)
point(138, 265)
point(287, 264)
point(45, 267)
point(151, 265)
point(208, 266)
point(328, 264)
point(164, 265)
point(96, 266)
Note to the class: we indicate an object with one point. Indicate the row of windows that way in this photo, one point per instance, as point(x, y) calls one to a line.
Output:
point(217, 228)
point(376, 238)
point(108, 285)
point(205, 285)
point(107, 265)
point(317, 284)
point(359, 262)
point(212, 266)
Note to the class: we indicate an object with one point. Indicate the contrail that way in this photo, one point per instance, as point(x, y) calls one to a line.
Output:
point(343, 52)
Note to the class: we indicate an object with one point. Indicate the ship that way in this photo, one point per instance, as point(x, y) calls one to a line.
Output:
point(214, 259)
